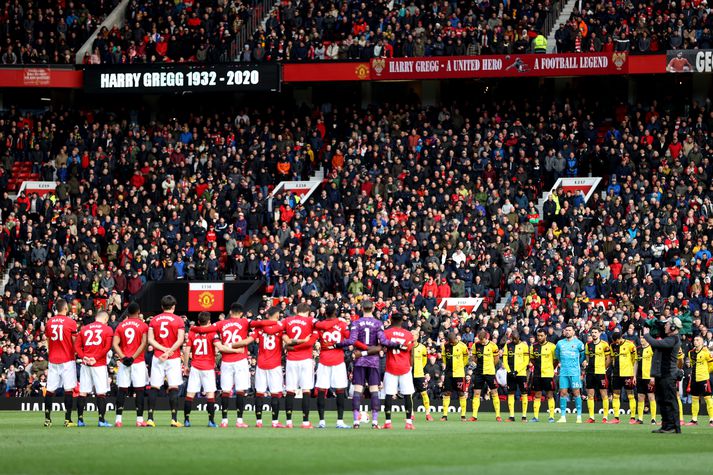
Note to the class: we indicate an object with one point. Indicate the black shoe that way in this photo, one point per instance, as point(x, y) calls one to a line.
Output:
point(665, 431)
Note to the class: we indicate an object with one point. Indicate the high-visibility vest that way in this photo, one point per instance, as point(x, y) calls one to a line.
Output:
point(540, 43)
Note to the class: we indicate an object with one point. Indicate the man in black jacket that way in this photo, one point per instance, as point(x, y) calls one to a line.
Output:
point(664, 368)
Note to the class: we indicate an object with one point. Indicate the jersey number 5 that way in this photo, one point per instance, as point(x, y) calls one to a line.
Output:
point(163, 331)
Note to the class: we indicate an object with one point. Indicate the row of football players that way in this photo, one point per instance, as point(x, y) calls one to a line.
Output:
point(295, 335)
point(534, 369)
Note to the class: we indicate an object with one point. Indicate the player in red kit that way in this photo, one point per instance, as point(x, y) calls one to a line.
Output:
point(234, 365)
point(398, 377)
point(166, 334)
point(331, 370)
point(130, 341)
point(61, 332)
point(268, 375)
point(203, 341)
point(92, 346)
point(299, 368)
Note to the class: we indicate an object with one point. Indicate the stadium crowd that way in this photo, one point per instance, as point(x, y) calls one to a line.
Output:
point(639, 28)
point(417, 204)
point(166, 31)
point(44, 32)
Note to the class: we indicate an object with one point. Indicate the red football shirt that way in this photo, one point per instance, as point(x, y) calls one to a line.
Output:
point(94, 341)
point(334, 356)
point(203, 349)
point(59, 331)
point(299, 327)
point(130, 332)
point(269, 348)
point(398, 361)
point(233, 330)
point(165, 328)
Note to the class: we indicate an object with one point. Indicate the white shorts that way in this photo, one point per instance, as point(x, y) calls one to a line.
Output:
point(62, 375)
point(169, 369)
point(235, 374)
point(268, 380)
point(402, 384)
point(299, 375)
point(332, 376)
point(93, 377)
point(200, 378)
point(135, 375)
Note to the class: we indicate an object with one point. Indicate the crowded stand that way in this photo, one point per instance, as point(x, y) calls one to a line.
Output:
point(306, 30)
point(638, 28)
point(42, 32)
point(165, 31)
point(417, 204)
point(159, 31)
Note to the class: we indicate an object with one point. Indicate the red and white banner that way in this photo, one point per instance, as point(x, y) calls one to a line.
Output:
point(602, 304)
point(586, 185)
point(469, 304)
point(512, 65)
point(39, 187)
point(206, 297)
point(303, 189)
point(51, 77)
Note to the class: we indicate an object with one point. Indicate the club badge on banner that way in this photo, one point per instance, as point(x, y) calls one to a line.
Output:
point(207, 297)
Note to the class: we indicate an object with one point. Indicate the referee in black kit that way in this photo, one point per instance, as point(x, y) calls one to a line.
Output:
point(664, 369)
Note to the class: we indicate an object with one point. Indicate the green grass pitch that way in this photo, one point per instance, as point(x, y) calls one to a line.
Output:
point(435, 447)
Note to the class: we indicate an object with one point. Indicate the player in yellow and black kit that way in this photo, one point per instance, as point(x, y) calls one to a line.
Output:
point(516, 358)
point(455, 355)
point(420, 359)
point(598, 359)
point(623, 353)
point(700, 385)
point(542, 356)
point(487, 355)
point(644, 381)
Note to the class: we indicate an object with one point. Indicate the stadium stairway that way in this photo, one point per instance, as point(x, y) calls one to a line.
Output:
point(563, 17)
point(20, 171)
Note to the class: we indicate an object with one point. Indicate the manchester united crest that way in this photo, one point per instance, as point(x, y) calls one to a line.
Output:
point(362, 71)
point(206, 299)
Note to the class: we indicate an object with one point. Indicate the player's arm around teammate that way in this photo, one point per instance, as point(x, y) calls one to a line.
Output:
point(203, 341)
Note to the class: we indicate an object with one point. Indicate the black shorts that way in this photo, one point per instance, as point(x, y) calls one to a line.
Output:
point(543, 384)
point(644, 386)
point(418, 384)
point(481, 380)
point(701, 388)
point(453, 383)
point(618, 383)
point(517, 382)
point(597, 381)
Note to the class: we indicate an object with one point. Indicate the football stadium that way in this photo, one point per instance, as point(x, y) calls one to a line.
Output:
point(358, 237)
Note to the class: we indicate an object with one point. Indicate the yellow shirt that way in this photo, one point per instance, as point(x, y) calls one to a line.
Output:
point(516, 357)
point(485, 358)
point(456, 359)
point(699, 364)
point(623, 358)
point(597, 357)
point(643, 357)
point(543, 358)
point(420, 359)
